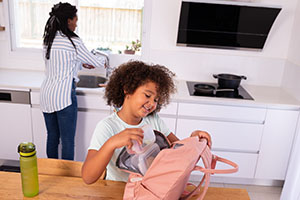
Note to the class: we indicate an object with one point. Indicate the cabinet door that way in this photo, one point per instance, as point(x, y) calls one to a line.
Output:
point(86, 124)
point(226, 136)
point(222, 113)
point(170, 122)
point(39, 132)
point(279, 130)
point(245, 161)
point(168, 115)
point(15, 123)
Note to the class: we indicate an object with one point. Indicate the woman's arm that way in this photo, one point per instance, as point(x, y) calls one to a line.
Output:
point(87, 57)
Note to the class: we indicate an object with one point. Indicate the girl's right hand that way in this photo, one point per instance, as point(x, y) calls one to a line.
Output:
point(125, 137)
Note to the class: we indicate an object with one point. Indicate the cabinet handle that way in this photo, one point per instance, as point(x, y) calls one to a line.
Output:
point(5, 96)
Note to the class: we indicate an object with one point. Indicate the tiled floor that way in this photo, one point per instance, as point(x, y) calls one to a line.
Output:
point(255, 192)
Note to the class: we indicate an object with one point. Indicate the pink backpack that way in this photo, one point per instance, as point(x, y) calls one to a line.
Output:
point(169, 172)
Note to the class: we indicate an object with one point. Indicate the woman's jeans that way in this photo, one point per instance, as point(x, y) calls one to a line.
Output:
point(62, 124)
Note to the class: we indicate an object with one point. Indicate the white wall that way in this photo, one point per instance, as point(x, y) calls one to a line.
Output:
point(291, 81)
point(261, 68)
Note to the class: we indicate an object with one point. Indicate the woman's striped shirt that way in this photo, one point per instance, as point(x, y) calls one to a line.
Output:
point(61, 69)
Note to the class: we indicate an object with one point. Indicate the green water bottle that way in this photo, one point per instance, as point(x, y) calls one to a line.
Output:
point(28, 166)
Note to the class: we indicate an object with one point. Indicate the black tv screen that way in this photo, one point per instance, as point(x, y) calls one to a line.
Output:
point(225, 25)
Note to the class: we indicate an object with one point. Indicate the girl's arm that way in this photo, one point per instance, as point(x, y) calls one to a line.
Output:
point(96, 161)
point(201, 134)
point(172, 138)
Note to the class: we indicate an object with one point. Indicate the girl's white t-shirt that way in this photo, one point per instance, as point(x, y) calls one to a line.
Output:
point(113, 125)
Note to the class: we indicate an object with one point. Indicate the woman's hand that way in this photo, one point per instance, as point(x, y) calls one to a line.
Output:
point(125, 137)
point(202, 135)
point(102, 85)
point(88, 66)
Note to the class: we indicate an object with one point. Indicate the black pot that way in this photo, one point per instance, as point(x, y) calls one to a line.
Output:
point(229, 81)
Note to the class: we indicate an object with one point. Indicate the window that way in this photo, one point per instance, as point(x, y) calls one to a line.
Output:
point(101, 23)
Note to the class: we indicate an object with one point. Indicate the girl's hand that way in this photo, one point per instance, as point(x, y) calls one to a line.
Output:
point(202, 135)
point(88, 66)
point(124, 137)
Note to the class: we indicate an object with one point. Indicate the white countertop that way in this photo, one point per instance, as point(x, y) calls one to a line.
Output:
point(264, 96)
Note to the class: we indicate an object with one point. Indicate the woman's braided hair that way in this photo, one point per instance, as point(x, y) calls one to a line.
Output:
point(129, 76)
point(58, 21)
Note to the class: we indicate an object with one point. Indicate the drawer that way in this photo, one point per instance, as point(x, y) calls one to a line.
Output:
point(220, 112)
point(245, 161)
point(170, 123)
point(92, 102)
point(84, 101)
point(232, 136)
point(170, 109)
point(35, 98)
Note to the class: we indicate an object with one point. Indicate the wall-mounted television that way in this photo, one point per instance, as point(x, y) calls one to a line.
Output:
point(223, 24)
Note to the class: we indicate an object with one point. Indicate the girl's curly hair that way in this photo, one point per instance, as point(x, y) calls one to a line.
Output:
point(131, 75)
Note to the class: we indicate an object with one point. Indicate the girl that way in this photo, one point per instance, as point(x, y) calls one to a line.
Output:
point(140, 90)
point(64, 54)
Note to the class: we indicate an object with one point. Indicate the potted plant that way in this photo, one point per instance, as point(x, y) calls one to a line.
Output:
point(135, 46)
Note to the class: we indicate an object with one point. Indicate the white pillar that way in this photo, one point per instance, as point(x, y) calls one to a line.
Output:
point(291, 188)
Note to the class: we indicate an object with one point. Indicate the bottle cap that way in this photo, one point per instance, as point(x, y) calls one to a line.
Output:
point(26, 149)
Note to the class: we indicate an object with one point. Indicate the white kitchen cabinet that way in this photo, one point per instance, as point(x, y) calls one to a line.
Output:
point(15, 123)
point(279, 130)
point(169, 114)
point(258, 139)
point(222, 113)
point(170, 109)
point(92, 101)
point(39, 132)
point(226, 136)
point(236, 132)
point(91, 109)
point(246, 162)
point(171, 123)
point(86, 124)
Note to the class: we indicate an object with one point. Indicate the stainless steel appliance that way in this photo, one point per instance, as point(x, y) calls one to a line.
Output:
point(15, 121)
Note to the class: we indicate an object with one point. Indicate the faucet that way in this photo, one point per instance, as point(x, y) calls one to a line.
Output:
point(108, 68)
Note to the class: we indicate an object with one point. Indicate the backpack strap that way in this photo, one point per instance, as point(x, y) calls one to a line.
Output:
point(209, 162)
point(207, 158)
point(219, 171)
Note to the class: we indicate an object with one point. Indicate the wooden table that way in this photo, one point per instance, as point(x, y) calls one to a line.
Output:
point(60, 187)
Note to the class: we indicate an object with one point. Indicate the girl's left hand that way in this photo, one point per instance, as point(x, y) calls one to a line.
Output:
point(202, 135)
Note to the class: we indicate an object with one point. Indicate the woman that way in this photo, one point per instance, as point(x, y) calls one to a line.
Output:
point(64, 53)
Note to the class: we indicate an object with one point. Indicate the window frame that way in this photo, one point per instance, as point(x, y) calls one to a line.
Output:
point(145, 37)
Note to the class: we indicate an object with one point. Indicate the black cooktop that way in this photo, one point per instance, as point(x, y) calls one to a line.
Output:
point(239, 93)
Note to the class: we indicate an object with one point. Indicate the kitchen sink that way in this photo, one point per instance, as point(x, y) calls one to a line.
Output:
point(90, 81)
